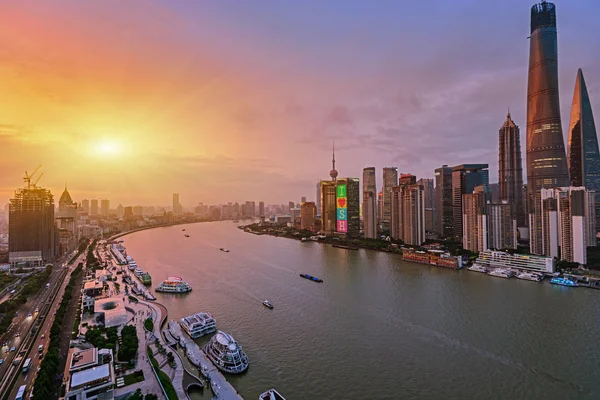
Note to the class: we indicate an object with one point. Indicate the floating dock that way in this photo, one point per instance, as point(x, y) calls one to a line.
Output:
point(219, 385)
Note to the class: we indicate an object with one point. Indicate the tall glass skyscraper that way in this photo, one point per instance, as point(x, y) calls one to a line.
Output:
point(546, 160)
point(510, 170)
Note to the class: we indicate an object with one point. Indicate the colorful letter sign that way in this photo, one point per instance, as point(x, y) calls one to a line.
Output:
point(342, 209)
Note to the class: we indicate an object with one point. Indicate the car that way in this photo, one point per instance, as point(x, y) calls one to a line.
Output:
point(37, 310)
point(13, 349)
point(1, 361)
point(29, 314)
point(41, 356)
point(44, 335)
point(17, 334)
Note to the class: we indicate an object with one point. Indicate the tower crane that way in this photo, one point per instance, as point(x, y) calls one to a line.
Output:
point(28, 177)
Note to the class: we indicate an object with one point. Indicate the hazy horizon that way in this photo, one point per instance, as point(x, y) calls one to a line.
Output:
point(234, 101)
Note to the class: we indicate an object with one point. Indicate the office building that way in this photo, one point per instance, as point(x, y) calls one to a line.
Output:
point(31, 230)
point(120, 211)
point(328, 207)
point(302, 200)
point(510, 170)
point(128, 212)
point(308, 215)
point(94, 207)
point(379, 209)
point(85, 204)
point(104, 207)
point(261, 209)
point(527, 262)
point(502, 231)
point(546, 160)
point(568, 223)
point(390, 180)
point(584, 157)
point(66, 222)
point(369, 210)
point(474, 220)
point(444, 201)
point(429, 199)
point(318, 198)
point(407, 179)
point(348, 206)
point(408, 214)
point(465, 178)
point(177, 209)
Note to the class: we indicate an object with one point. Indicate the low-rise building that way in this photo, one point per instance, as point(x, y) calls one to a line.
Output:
point(90, 375)
point(501, 259)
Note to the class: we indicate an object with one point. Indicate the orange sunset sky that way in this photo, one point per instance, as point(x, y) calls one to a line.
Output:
point(229, 101)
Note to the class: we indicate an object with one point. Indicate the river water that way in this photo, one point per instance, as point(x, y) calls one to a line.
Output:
point(378, 327)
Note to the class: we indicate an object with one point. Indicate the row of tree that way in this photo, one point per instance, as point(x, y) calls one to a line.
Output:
point(129, 343)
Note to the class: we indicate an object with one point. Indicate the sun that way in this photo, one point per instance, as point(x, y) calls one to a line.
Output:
point(107, 148)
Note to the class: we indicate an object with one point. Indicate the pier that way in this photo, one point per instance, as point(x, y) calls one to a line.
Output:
point(218, 384)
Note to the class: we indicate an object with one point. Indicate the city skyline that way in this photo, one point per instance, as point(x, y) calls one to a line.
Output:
point(366, 120)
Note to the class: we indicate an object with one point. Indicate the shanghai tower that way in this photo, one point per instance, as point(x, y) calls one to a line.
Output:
point(546, 159)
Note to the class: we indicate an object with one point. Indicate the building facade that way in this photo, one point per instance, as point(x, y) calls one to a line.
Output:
point(528, 262)
point(369, 203)
point(308, 215)
point(328, 207)
point(429, 198)
point(444, 201)
point(465, 178)
point(408, 214)
point(502, 232)
point(390, 179)
point(475, 223)
point(510, 169)
point(104, 207)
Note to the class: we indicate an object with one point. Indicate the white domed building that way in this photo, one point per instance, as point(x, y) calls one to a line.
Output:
point(226, 353)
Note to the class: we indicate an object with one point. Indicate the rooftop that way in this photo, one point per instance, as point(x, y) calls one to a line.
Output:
point(82, 358)
point(91, 375)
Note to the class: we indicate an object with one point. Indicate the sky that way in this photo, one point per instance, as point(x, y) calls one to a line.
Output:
point(236, 100)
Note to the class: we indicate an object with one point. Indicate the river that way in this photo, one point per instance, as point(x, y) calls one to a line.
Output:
point(377, 327)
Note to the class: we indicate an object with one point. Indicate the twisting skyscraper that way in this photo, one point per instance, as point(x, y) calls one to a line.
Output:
point(510, 170)
point(546, 160)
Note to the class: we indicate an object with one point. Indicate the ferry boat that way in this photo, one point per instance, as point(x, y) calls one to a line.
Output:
point(226, 354)
point(529, 276)
point(478, 268)
point(174, 284)
point(183, 230)
point(138, 272)
point(271, 395)
point(268, 304)
point(198, 325)
point(235, 221)
point(312, 278)
point(502, 273)
point(146, 278)
point(186, 235)
point(224, 249)
point(563, 282)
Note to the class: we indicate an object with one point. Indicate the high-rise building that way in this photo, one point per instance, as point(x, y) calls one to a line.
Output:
point(408, 214)
point(291, 206)
point(302, 200)
point(429, 198)
point(369, 209)
point(474, 220)
point(348, 206)
point(546, 160)
point(104, 207)
point(31, 226)
point(379, 208)
point(138, 210)
point(568, 223)
point(510, 169)
point(120, 211)
point(502, 226)
point(308, 214)
point(261, 209)
point(444, 201)
point(128, 212)
point(390, 179)
point(328, 207)
point(94, 207)
point(66, 222)
point(584, 157)
point(177, 209)
point(369, 212)
point(85, 204)
point(318, 198)
point(407, 179)
point(465, 178)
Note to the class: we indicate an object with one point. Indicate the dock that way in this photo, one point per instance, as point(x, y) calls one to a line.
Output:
point(218, 384)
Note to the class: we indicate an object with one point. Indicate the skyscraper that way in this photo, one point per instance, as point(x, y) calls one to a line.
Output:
point(369, 203)
point(94, 207)
point(308, 214)
point(443, 200)
point(546, 160)
point(66, 222)
point(408, 214)
point(465, 178)
point(510, 170)
point(502, 226)
point(390, 179)
point(429, 198)
point(85, 204)
point(104, 207)
point(120, 211)
point(318, 198)
point(328, 207)
point(261, 209)
point(348, 206)
point(474, 220)
point(177, 209)
point(584, 157)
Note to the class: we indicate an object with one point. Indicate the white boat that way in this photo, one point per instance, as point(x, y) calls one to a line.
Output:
point(198, 325)
point(174, 284)
point(529, 276)
point(271, 395)
point(226, 354)
point(502, 273)
point(478, 268)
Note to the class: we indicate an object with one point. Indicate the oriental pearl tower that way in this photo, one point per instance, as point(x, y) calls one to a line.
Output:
point(333, 173)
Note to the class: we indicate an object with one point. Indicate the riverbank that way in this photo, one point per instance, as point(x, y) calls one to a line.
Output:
point(143, 228)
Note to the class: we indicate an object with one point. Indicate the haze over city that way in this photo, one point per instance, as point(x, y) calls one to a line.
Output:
point(226, 100)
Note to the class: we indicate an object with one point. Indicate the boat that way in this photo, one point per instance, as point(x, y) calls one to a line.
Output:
point(226, 354)
point(235, 221)
point(478, 268)
point(529, 276)
point(149, 296)
point(312, 278)
point(174, 284)
point(186, 235)
point(271, 394)
point(343, 246)
point(268, 304)
point(146, 278)
point(183, 230)
point(224, 249)
point(563, 282)
point(502, 273)
point(198, 325)
point(138, 272)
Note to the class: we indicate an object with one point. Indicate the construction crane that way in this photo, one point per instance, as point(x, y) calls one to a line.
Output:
point(28, 177)
point(37, 180)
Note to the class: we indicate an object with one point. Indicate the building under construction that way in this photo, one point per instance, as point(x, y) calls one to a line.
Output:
point(31, 229)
